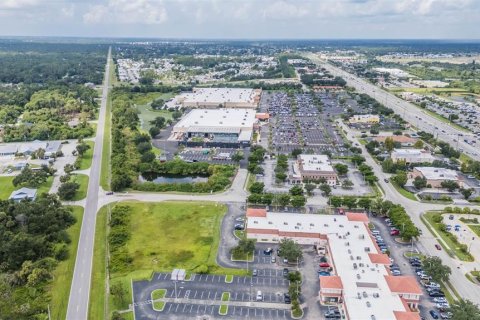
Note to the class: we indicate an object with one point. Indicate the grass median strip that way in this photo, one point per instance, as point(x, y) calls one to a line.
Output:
point(450, 241)
point(85, 161)
point(158, 294)
point(223, 310)
point(229, 278)
point(407, 194)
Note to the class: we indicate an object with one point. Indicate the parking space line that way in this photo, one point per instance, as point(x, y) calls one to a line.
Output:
point(169, 307)
point(213, 307)
point(176, 309)
point(242, 296)
point(195, 295)
point(215, 298)
point(184, 306)
point(191, 307)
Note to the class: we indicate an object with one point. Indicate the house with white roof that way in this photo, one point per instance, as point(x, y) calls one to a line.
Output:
point(22, 194)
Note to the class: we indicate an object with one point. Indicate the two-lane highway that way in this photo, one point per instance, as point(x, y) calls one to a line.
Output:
point(80, 289)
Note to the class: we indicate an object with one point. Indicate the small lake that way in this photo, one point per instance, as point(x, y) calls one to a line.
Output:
point(171, 179)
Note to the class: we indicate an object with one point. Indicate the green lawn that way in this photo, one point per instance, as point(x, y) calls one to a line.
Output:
point(475, 228)
point(86, 159)
point(158, 305)
point(6, 187)
point(158, 294)
point(163, 236)
point(451, 245)
point(105, 168)
point(96, 307)
point(81, 179)
point(428, 90)
point(407, 194)
point(146, 113)
point(226, 296)
point(465, 158)
point(229, 278)
point(223, 309)
point(62, 276)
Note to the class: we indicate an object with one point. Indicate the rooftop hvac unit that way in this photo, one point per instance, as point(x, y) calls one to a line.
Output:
point(341, 226)
point(351, 258)
point(325, 225)
point(347, 243)
point(359, 258)
point(358, 276)
point(362, 236)
point(359, 296)
point(369, 304)
point(364, 293)
point(360, 264)
point(348, 233)
point(349, 251)
point(376, 295)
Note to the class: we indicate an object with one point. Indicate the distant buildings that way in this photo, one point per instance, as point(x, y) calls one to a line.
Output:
point(435, 176)
point(403, 140)
point(365, 119)
point(358, 276)
point(27, 148)
point(313, 167)
point(215, 127)
point(220, 98)
point(23, 194)
point(412, 156)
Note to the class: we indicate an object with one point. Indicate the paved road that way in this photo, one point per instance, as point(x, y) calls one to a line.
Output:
point(409, 112)
point(426, 242)
point(80, 289)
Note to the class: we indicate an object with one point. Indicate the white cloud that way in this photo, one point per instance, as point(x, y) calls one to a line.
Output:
point(127, 12)
point(286, 9)
point(17, 4)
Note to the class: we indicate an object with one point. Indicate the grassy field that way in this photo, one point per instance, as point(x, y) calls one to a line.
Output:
point(451, 246)
point(97, 304)
point(86, 160)
point(81, 179)
point(105, 168)
point(6, 187)
point(147, 114)
point(163, 236)
point(407, 194)
point(62, 276)
point(475, 228)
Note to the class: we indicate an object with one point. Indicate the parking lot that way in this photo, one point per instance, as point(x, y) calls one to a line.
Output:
point(210, 155)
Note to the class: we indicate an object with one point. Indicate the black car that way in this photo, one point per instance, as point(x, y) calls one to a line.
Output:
point(386, 180)
point(286, 298)
point(239, 226)
point(268, 251)
point(436, 294)
point(434, 314)
point(285, 272)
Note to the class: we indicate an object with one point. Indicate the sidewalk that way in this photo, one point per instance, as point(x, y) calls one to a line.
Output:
point(252, 304)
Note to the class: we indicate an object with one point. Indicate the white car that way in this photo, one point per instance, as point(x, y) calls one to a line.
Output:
point(439, 300)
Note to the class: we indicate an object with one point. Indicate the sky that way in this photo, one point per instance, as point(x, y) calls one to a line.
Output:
point(243, 19)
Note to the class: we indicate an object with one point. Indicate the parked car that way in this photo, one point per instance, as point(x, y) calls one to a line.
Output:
point(324, 265)
point(285, 272)
point(239, 226)
point(323, 273)
point(286, 298)
point(438, 247)
point(396, 272)
point(274, 259)
point(268, 251)
point(450, 217)
point(436, 294)
point(434, 314)
point(109, 193)
point(386, 180)
point(260, 296)
point(254, 272)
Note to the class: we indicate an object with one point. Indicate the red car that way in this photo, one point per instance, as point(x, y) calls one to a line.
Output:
point(324, 265)
point(438, 247)
point(394, 232)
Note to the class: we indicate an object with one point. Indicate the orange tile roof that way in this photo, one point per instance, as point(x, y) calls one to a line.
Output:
point(379, 258)
point(331, 282)
point(403, 284)
point(262, 116)
point(400, 139)
point(251, 212)
point(406, 315)
point(357, 216)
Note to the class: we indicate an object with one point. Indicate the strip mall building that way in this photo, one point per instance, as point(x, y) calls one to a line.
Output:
point(361, 283)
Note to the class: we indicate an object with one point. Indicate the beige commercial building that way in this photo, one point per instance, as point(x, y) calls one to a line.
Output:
point(220, 98)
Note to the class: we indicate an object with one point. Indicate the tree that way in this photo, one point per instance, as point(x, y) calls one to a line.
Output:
point(350, 202)
point(364, 203)
point(358, 159)
point(254, 198)
point(176, 115)
point(326, 189)
point(465, 310)
point(244, 247)
point(257, 187)
point(341, 168)
point(290, 250)
point(296, 152)
point(281, 176)
point(389, 144)
point(119, 293)
point(434, 267)
point(67, 190)
point(450, 185)
point(154, 131)
point(418, 144)
point(82, 148)
point(237, 156)
point(65, 178)
point(347, 184)
point(158, 122)
point(296, 190)
point(309, 187)
point(298, 201)
point(466, 192)
point(284, 199)
point(401, 179)
point(68, 168)
point(419, 183)
point(335, 201)
point(374, 130)
point(40, 153)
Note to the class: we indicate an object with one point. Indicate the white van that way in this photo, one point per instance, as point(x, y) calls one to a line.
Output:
point(376, 232)
point(259, 296)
